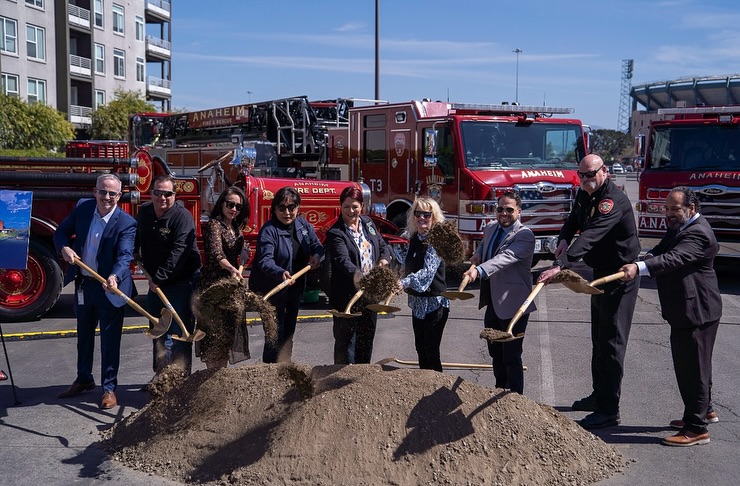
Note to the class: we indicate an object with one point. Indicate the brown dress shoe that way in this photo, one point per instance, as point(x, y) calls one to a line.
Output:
point(712, 418)
point(76, 389)
point(687, 438)
point(108, 401)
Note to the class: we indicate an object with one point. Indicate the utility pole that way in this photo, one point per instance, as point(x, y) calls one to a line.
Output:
point(517, 51)
point(377, 49)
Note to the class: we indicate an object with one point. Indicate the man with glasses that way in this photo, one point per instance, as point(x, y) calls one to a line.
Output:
point(104, 241)
point(504, 261)
point(607, 240)
point(166, 244)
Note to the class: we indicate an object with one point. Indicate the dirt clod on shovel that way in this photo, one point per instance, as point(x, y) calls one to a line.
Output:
point(447, 242)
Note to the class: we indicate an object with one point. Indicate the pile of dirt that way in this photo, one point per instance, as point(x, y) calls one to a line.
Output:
point(354, 425)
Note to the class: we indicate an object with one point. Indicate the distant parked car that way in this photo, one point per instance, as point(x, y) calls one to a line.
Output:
point(617, 168)
point(630, 168)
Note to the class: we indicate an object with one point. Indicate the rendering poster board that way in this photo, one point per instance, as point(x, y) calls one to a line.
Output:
point(15, 228)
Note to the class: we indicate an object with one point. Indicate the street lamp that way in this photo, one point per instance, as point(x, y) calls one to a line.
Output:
point(517, 51)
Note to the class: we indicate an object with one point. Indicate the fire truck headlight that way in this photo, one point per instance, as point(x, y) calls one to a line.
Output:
point(551, 244)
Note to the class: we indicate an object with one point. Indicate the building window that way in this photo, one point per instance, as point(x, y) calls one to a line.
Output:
point(139, 28)
point(98, 13)
point(117, 19)
point(10, 84)
point(35, 3)
point(99, 59)
point(35, 44)
point(8, 35)
point(140, 69)
point(36, 91)
point(99, 98)
point(119, 63)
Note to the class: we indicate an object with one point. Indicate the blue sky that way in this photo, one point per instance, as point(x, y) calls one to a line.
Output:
point(228, 52)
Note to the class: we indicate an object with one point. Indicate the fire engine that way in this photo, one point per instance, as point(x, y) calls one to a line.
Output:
point(465, 156)
point(698, 147)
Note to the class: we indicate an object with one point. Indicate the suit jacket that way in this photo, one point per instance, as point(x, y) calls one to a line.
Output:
point(345, 258)
point(683, 267)
point(509, 271)
point(116, 248)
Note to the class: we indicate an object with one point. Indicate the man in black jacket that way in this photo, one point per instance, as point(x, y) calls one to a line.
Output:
point(690, 300)
point(607, 241)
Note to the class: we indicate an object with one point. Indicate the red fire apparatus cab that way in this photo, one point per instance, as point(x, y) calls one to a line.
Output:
point(465, 156)
point(697, 147)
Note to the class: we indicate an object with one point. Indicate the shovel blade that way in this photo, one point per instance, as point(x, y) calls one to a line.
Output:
point(196, 336)
point(162, 326)
point(383, 308)
point(343, 315)
point(457, 295)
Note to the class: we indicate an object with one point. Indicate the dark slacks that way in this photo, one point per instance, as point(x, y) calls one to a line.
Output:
point(507, 357)
point(692, 349)
point(286, 302)
point(353, 338)
point(611, 320)
point(167, 351)
point(96, 310)
point(428, 338)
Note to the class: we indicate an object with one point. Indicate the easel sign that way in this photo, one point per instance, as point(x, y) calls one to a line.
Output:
point(15, 228)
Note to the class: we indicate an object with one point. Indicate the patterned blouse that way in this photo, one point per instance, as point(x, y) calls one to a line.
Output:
point(219, 243)
point(421, 281)
point(365, 248)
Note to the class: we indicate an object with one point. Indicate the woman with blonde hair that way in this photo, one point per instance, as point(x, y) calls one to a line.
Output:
point(424, 281)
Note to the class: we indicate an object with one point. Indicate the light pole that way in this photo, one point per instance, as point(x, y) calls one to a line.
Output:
point(249, 96)
point(517, 51)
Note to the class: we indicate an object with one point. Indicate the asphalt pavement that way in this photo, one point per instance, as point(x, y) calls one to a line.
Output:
point(51, 441)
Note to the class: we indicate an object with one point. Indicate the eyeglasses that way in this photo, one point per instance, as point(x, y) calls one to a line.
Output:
point(501, 209)
point(103, 192)
point(160, 193)
point(289, 208)
point(589, 174)
point(232, 205)
point(423, 214)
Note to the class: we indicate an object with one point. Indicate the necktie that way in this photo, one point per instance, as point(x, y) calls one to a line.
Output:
point(495, 242)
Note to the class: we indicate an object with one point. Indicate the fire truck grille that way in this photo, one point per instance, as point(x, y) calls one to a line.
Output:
point(721, 207)
point(545, 204)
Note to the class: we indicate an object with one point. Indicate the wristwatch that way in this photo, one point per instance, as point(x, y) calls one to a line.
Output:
point(558, 263)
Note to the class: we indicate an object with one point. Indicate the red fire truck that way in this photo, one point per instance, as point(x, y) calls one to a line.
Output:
point(697, 147)
point(464, 156)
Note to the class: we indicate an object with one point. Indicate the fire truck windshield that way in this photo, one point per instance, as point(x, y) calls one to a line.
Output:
point(694, 147)
point(500, 145)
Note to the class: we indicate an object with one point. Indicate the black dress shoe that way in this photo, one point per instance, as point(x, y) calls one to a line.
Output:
point(76, 389)
point(598, 420)
point(587, 404)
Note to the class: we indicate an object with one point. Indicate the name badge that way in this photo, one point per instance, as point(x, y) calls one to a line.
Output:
point(80, 297)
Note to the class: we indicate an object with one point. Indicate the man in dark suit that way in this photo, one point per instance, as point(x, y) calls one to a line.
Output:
point(104, 241)
point(690, 301)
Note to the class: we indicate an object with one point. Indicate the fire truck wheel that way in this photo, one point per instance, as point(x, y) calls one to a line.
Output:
point(27, 295)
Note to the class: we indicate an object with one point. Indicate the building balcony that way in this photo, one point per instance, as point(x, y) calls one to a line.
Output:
point(159, 48)
point(158, 87)
point(79, 17)
point(80, 115)
point(160, 9)
point(80, 65)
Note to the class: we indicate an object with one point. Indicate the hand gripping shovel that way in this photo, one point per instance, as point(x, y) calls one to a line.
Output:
point(459, 294)
point(186, 336)
point(347, 311)
point(578, 284)
point(160, 325)
point(496, 336)
point(287, 282)
point(385, 306)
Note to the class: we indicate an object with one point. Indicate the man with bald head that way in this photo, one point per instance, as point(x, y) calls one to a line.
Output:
point(602, 214)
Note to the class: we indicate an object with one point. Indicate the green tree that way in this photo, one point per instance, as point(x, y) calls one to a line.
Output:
point(611, 144)
point(110, 122)
point(26, 126)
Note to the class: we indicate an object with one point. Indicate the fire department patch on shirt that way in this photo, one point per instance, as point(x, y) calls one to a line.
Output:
point(606, 206)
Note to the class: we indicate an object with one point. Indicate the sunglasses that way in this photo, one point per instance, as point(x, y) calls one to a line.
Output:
point(289, 208)
point(589, 174)
point(159, 193)
point(423, 214)
point(232, 205)
point(103, 192)
point(501, 209)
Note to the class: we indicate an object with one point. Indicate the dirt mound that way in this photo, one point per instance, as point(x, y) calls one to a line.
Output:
point(354, 425)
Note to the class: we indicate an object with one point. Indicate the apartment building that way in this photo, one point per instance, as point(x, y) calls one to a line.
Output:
point(75, 54)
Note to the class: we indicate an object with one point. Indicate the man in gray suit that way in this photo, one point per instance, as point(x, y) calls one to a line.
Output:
point(503, 261)
point(690, 300)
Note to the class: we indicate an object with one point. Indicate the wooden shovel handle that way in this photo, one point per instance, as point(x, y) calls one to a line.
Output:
point(287, 282)
point(354, 299)
point(168, 305)
point(527, 301)
point(465, 280)
point(125, 297)
point(607, 279)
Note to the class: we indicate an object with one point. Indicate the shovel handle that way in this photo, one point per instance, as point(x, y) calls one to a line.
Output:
point(240, 270)
point(125, 297)
point(354, 299)
point(527, 301)
point(465, 280)
point(166, 302)
point(607, 279)
point(287, 282)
